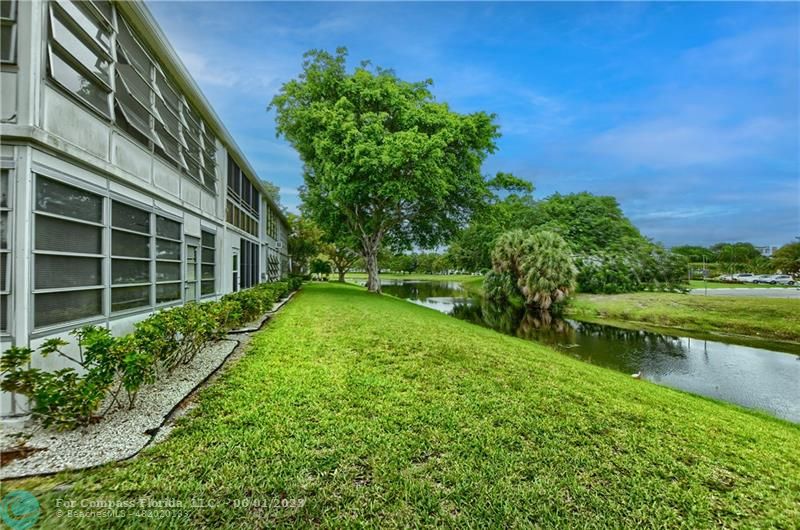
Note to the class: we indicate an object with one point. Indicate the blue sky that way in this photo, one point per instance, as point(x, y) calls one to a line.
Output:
point(688, 113)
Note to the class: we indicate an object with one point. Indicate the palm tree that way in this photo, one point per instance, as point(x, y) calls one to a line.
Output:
point(547, 271)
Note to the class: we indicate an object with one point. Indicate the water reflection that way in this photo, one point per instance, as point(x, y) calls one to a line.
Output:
point(753, 377)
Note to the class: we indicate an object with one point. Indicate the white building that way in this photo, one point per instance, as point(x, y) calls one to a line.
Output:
point(122, 191)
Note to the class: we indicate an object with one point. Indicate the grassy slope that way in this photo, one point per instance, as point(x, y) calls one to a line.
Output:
point(384, 413)
point(770, 318)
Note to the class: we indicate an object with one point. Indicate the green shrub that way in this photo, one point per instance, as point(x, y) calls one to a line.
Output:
point(537, 266)
point(66, 398)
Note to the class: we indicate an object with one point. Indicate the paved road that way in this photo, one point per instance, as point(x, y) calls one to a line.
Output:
point(789, 292)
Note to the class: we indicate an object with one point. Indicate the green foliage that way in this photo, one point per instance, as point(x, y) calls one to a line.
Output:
point(382, 158)
point(304, 241)
point(538, 266)
point(68, 397)
point(509, 204)
point(321, 267)
point(64, 398)
point(547, 270)
point(695, 254)
point(647, 268)
point(787, 258)
point(501, 288)
point(589, 223)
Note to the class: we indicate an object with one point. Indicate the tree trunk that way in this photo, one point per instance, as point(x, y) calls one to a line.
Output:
point(373, 278)
point(341, 275)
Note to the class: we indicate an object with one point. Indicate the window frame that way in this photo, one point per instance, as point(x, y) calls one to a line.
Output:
point(111, 228)
point(8, 252)
point(10, 24)
point(204, 263)
point(33, 291)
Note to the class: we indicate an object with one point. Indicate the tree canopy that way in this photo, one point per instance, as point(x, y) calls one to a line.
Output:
point(381, 157)
point(589, 223)
point(304, 241)
point(787, 258)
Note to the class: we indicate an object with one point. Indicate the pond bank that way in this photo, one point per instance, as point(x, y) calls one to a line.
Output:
point(366, 410)
point(775, 319)
point(751, 372)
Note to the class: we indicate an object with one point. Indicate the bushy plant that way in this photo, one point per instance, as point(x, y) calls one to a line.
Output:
point(537, 266)
point(108, 366)
point(64, 398)
point(501, 287)
point(547, 270)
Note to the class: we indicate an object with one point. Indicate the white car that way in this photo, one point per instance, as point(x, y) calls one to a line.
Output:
point(745, 277)
point(762, 278)
point(781, 279)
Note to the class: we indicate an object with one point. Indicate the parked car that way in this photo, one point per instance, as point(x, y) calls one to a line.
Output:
point(781, 279)
point(762, 278)
point(745, 277)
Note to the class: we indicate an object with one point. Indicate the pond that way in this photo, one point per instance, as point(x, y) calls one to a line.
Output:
point(762, 375)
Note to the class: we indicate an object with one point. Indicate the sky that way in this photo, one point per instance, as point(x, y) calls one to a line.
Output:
point(687, 113)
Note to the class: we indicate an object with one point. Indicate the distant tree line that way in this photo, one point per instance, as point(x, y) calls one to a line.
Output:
point(742, 257)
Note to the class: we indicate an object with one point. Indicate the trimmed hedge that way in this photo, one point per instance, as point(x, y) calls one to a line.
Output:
point(66, 399)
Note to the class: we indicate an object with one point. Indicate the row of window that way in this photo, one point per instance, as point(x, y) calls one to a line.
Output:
point(5, 252)
point(8, 31)
point(86, 42)
point(144, 249)
point(250, 264)
point(243, 206)
point(271, 222)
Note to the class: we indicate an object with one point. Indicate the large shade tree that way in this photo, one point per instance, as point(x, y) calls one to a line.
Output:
point(381, 156)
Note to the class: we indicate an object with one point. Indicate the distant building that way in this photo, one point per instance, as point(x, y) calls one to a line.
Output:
point(766, 251)
point(122, 191)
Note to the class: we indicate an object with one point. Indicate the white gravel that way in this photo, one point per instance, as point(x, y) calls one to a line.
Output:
point(121, 433)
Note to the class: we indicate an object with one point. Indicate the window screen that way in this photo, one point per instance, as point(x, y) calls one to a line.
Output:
point(125, 298)
point(130, 218)
point(65, 236)
point(55, 308)
point(8, 32)
point(131, 238)
point(64, 219)
point(5, 242)
point(53, 272)
point(168, 260)
point(208, 264)
point(62, 199)
point(168, 228)
point(249, 264)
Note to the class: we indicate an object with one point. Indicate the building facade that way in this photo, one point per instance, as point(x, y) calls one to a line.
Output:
point(122, 191)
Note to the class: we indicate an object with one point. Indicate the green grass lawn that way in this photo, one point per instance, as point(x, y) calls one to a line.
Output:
point(769, 318)
point(371, 411)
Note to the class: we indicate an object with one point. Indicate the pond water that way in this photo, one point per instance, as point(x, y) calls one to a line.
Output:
point(763, 376)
